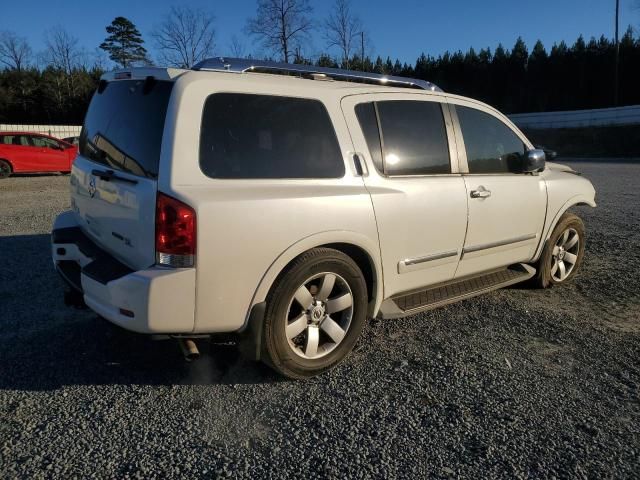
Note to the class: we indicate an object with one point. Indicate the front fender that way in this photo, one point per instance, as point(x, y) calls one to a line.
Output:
point(318, 240)
point(580, 199)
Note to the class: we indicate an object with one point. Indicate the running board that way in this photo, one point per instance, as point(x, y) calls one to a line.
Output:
point(454, 291)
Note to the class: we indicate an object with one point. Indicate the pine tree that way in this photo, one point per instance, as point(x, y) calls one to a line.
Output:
point(124, 43)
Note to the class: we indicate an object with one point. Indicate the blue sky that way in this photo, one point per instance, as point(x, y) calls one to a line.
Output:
point(400, 28)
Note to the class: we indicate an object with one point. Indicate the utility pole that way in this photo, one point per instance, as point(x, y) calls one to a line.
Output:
point(362, 44)
point(617, 66)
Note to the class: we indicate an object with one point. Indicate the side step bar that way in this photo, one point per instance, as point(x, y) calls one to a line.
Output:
point(454, 291)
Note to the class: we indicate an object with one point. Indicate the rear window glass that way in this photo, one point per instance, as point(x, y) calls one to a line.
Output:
point(124, 124)
point(263, 136)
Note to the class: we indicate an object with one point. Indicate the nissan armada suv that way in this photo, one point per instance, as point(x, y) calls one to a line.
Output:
point(290, 203)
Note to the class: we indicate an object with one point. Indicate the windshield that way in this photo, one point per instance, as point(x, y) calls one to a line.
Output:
point(124, 124)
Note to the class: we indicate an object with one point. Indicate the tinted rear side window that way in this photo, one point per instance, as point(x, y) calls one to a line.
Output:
point(261, 136)
point(492, 147)
point(124, 124)
point(414, 138)
point(19, 140)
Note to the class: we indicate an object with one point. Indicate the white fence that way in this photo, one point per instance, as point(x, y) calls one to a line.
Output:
point(58, 131)
point(565, 119)
point(579, 118)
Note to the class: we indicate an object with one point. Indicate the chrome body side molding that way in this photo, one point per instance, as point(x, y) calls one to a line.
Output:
point(485, 246)
point(409, 262)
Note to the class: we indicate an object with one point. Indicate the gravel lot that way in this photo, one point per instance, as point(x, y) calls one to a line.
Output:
point(517, 383)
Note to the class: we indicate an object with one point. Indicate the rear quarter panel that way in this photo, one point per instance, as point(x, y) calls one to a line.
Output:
point(249, 229)
point(17, 156)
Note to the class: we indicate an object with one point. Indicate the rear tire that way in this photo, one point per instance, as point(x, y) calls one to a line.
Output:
point(315, 314)
point(562, 254)
point(5, 169)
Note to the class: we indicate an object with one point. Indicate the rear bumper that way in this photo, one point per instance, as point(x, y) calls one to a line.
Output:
point(153, 300)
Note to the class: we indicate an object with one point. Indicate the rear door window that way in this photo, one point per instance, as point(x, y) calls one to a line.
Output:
point(124, 125)
point(411, 135)
point(262, 136)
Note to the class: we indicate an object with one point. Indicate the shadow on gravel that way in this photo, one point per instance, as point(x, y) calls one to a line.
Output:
point(45, 345)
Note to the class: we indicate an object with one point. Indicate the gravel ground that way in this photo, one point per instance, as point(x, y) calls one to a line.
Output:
point(517, 383)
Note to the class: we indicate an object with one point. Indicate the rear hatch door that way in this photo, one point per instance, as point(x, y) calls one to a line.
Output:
point(115, 176)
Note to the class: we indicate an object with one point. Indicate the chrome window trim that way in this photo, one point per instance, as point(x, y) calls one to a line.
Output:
point(500, 243)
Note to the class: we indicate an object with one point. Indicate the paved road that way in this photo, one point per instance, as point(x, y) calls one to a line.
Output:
point(517, 383)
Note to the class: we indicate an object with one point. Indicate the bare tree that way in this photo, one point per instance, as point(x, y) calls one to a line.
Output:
point(63, 54)
point(99, 60)
point(15, 52)
point(236, 47)
point(281, 25)
point(343, 29)
point(185, 37)
point(62, 50)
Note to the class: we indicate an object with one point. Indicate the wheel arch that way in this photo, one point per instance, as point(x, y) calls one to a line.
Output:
point(358, 247)
point(9, 162)
point(578, 200)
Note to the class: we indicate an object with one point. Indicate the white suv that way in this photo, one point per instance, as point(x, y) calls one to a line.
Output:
point(291, 203)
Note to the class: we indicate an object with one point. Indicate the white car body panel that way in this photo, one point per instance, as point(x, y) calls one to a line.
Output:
point(254, 222)
point(163, 299)
point(421, 218)
point(249, 230)
point(565, 189)
point(118, 216)
point(504, 228)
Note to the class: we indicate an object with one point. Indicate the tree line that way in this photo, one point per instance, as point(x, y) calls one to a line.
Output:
point(55, 86)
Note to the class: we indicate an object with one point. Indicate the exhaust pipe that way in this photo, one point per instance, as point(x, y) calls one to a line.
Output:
point(189, 349)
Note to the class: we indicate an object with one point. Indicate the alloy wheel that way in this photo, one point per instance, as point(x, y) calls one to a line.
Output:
point(319, 315)
point(565, 255)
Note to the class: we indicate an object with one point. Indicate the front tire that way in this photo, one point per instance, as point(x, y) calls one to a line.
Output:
point(563, 253)
point(315, 314)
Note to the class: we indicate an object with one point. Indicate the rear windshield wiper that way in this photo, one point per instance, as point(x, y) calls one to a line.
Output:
point(108, 175)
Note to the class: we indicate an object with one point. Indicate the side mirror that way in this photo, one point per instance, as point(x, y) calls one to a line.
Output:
point(550, 154)
point(534, 161)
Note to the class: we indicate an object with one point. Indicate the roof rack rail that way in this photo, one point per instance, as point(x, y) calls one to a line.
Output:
point(243, 65)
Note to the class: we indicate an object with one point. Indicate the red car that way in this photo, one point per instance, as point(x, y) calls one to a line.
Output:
point(22, 152)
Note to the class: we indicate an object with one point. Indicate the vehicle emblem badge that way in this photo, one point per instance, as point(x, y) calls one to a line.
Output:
point(92, 188)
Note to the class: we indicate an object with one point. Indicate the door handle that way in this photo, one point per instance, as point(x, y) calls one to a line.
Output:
point(480, 193)
point(359, 165)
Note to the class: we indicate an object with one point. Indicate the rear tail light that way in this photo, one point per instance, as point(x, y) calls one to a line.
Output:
point(175, 232)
